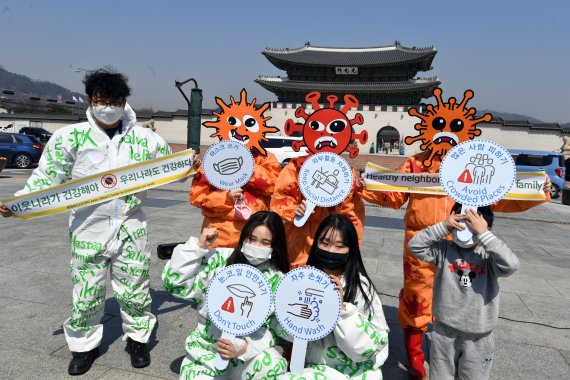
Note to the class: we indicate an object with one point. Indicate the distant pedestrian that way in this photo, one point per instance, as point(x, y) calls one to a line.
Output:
point(465, 292)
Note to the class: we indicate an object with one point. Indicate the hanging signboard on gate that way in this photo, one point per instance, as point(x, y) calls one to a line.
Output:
point(477, 173)
point(238, 302)
point(307, 306)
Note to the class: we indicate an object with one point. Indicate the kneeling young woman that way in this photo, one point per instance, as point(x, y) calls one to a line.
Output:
point(358, 345)
point(188, 274)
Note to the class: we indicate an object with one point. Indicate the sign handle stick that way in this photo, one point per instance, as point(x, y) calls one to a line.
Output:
point(298, 356)
point(465, 234)
point(300, 221)
point(219, 362)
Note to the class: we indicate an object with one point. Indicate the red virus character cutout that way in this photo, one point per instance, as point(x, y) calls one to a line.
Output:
point(327, 129)
point(445, 125)
point(241, 122)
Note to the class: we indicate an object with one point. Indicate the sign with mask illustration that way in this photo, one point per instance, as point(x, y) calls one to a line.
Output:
point(238, 302)
point(228, 165)
point(477, 173)
point(307, 306)
point(325, 179)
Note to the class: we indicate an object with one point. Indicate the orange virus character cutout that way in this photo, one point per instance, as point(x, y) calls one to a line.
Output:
point(242, 122)
point(445, 125)
point(327, 129)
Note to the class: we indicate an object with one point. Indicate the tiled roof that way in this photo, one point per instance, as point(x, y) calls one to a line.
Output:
point(335, 56)
point(530, 125)
point(278, 83)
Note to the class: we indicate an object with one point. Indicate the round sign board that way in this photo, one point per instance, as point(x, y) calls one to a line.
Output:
point(325, 179)
point(228, 165)
point(307, 303)
point(239, 299)
point(477, 173)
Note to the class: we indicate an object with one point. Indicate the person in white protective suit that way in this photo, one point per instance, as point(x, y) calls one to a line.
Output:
point(189, 272)
point(358, 345)
point(110, 236)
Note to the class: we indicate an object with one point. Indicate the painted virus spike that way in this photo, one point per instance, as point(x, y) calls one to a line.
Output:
point(300, 112)
point(349, 102)
point(466, 96)
point(313, 98)
point(435, 128)
point(332, 100)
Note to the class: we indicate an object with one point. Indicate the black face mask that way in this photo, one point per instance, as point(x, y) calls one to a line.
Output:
point(330, 260)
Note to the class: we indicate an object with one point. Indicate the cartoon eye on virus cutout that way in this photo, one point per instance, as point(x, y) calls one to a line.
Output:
point(242, 122)
point(445, 125)
point(327, 129)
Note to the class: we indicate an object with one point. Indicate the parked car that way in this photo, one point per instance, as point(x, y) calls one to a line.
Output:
point(281, 147)
point(39, 133)
point(540, 160)
point(20, 150)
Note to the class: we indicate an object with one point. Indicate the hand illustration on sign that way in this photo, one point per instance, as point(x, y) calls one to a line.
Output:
point(300, 310)
point(246, 305)
point(325, 181)
point(228, 166)
point(314, 292)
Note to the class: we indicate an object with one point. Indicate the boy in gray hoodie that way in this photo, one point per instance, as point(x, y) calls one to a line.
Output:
point(465, 292)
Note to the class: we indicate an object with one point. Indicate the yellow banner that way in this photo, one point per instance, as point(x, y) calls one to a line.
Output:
point(103, 186)
point(528, 185)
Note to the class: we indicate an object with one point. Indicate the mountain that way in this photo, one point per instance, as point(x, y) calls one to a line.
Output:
point(22, 85)
point(509, 116)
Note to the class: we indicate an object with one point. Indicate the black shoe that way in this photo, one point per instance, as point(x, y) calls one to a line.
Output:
point(82, 361)
point(140, 356)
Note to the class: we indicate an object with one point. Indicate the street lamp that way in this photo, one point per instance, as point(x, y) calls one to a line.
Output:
point(194, 114)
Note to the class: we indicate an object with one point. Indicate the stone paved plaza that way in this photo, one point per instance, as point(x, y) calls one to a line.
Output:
point(532, 336)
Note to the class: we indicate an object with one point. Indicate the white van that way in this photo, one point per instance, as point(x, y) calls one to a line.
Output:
point(281, 147)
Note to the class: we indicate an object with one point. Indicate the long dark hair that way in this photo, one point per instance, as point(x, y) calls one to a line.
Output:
point(354, 266)
point(274, 223)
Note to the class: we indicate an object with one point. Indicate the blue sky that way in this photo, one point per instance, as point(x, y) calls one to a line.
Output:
point(515, 55)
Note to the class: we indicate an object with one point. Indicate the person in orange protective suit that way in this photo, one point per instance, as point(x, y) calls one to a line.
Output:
point(228, 210)
point(325, 130)
point(439, 132)
point(288, 202)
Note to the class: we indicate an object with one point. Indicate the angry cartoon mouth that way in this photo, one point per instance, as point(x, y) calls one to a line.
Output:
point(445, 137)
point(325, 141)
point(237, 137)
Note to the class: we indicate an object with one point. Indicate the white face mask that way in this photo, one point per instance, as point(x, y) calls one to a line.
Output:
point(108, 114)
point(256, 254)
point(472, 242)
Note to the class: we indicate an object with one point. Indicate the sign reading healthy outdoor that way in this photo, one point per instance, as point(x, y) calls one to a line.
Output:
point(477, 173)
point(238, 302)
point(325, 179)
point(307, 306)
point(228, 165)
point(103, 186)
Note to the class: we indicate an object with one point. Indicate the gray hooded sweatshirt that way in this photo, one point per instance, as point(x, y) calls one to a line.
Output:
point(466, 287)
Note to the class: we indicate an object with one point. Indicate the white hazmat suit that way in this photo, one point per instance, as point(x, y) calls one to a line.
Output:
point(106, 236)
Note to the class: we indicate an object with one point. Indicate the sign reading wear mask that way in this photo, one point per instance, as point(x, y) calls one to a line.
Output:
point(325, 179)
point(105, 186)
point(228, 165)
point(238, 302)
point(477, 173)
point(307, 306)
